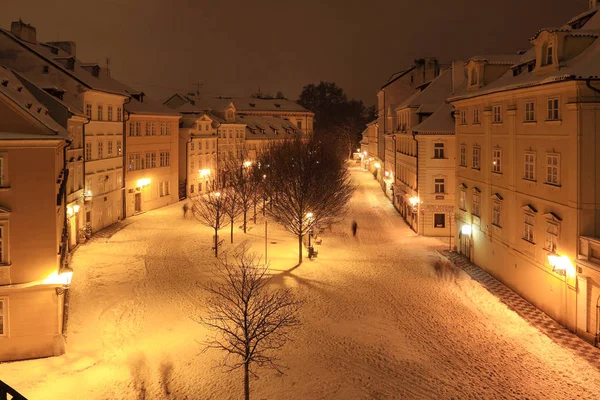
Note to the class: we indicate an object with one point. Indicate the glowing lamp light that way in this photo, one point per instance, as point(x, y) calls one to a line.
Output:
point(561, 264)
point(414, 201)
point(204, 172)
point(377, 165)
point(143, 182)
point(358, 150)
point(387, 173)
point(264, 176)
point(218, 194)
point(62, 278)
point(365, 152)
point(247, 163)
point(76, 208)
point(466, 230)
point(69, 211)
point(309, 215)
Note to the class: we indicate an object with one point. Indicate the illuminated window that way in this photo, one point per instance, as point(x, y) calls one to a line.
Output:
point(497, 161)
point(439, 220)
point(119, 148)
point(109, 148)
point(530, 166)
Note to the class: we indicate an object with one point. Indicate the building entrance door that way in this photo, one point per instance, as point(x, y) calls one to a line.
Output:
point(138, 202)
point(465, 246)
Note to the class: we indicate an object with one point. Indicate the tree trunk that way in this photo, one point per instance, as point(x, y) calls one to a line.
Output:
point(254, 211)
point(245, 213)
point(231, 230)
point(299, 249)
point(216, 244)
point(246, 382)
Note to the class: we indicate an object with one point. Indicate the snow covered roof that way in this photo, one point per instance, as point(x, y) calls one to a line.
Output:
point(440, 122)
point(429, 99)
point(13, 90)
point(268, 128)
point(249, 104)
point(90, 74)
point(397, 75)
point(497, 59)
point(147, 106)
point(586, 65)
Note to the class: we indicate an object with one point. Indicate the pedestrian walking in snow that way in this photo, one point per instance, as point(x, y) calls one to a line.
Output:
point(185, 209)
point(354, 228)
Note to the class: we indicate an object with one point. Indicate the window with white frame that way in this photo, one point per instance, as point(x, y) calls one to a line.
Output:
point(438, 150)
point(3, 316)
point(88, 110)
point(162, 129)
point(439, 185)
point(551, 237)
point(530, 111)
point(476, 157)
point(463, 117)
point(153, 129)
point(528, 225)
point(463, 155)
point(119, 148)
point(496, 208)
point(100, 149)
point(147, 128)
point(165, 159)
point(553, 109)
point(88, 151)
point(529, 166)
point(109, 148)
point(476, 115)
point(164, 188)
point(119, 114)
point(497, 161)
point(168, 129)
point(476, 205)
point(463, 200)
point(135, 161)
point(553, 169)
point(100, 112)
point(497, 113)
point(109, 112)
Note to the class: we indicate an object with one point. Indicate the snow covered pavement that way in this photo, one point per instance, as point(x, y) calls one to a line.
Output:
point(378, 322)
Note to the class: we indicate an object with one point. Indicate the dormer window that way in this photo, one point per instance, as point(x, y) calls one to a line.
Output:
point(549, 55)
point(474, 77)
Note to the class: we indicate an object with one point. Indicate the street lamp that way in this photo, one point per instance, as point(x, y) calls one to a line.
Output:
point(309, 215)
point(247, 164)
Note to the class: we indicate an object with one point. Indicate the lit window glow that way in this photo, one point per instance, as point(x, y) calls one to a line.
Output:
point(143, 182)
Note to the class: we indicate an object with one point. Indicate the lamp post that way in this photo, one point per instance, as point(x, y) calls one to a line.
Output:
point(309, 217)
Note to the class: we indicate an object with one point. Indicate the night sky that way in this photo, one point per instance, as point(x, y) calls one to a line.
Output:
point(234, 47)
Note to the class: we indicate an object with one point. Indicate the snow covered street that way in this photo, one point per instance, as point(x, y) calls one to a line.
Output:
point(378, 322)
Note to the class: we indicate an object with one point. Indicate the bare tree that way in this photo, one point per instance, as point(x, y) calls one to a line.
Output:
point(232, 208)
point(210, 210)
point(308, 184)
point(250, 319)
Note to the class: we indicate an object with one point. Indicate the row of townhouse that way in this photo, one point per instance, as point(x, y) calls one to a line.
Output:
point(80, 151)
point(512, 163)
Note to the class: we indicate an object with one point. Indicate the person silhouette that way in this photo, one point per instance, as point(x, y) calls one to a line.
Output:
point(354, 228)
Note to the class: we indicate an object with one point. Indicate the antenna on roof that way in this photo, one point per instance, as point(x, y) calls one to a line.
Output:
point(198, 84)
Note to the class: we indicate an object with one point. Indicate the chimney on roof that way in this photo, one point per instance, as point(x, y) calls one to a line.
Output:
point(68, 47)
point(593, 4)
point(23, 31)
point(458, 75)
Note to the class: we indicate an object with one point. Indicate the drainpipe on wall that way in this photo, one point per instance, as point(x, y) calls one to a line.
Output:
point(83, 172)
point(124, 184)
